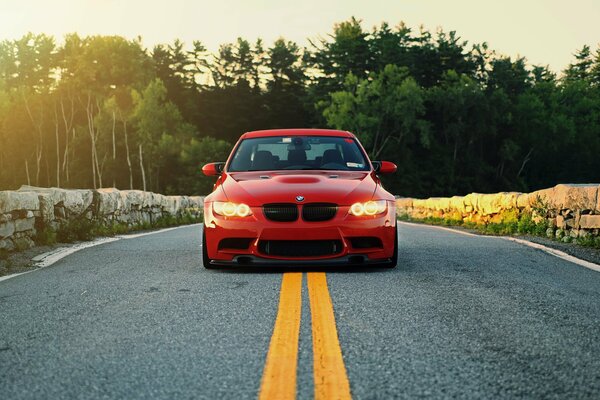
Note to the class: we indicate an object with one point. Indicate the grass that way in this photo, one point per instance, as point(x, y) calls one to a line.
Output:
point(83, 229)
point(507, 223)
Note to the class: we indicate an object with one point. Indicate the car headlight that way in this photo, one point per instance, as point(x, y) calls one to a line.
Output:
point(229, 209)
point(372, 207)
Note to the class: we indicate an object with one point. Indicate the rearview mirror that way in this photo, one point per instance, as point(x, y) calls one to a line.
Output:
point(384, 167)
point(213, 169)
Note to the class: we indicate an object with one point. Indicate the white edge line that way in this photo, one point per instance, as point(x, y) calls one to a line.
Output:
point(51, 257)
point(137, 235)
point(554, 252)
point(446, 229)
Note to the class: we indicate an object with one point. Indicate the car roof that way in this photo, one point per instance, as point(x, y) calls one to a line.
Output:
point(296, 132)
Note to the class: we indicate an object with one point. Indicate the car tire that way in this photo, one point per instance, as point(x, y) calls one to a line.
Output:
point(205, 260)
point(394, 260)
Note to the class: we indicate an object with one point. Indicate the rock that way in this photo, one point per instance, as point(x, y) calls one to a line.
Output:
point(437, 203)
point(589, 221)
point(135, 198)
point(458, 203)
point(488, 204)
point(23, 243)
point(12, 201)
point(403, 202)
point(419, 203)
point(59, 212)
point(196, 205)
point(46, 207)
point(25, 224)
point(560, 222)
point(171, 204)
point(574, 233)
point(7, 245)
point(523, 200)
point(7, 229)
point(571, 196)
point(508, 200)
point(107, 201)
point(75, 202)
point(470, 202)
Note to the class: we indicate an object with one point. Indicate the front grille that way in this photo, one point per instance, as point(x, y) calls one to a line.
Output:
point(300, 248)
point(235, 243)
point(281, 212)
point(314, 212)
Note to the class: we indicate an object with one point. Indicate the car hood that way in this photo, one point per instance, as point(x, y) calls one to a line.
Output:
point(258, 188)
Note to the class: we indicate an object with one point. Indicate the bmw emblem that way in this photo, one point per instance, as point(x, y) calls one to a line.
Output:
point(299, 198)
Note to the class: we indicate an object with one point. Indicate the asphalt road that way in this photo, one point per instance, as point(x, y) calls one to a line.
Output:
point(461, 317)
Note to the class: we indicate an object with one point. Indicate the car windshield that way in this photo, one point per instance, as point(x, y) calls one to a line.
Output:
point(298, 153)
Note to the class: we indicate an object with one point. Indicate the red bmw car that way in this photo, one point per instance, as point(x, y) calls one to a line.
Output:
point(296, 197)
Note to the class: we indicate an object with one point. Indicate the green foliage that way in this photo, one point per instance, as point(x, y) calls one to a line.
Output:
point(83, 229)
point(589, 241)
point(508, 222)
point(95, 111)
point(45, 237)
point(79, 229)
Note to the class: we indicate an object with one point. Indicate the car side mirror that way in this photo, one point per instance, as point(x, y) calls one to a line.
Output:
point(213, 169)
point(384, 167)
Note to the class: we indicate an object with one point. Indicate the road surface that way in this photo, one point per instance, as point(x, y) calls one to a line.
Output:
point(461, 317)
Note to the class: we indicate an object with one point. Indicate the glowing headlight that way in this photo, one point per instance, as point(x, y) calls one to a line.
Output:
point(229, 209)
point(371, 207)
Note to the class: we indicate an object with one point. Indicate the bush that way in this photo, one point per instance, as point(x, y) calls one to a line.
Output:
point(45, 236)
point(76, 229)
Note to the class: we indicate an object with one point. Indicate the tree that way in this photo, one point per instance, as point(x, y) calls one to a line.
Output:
point(580, 69)
point(160, 129)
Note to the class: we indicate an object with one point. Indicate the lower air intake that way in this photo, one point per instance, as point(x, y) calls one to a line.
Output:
point(300, 248)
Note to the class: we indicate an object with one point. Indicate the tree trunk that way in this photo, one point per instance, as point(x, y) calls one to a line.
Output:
point(142, 168)
point(68, 124)
point(96, 170)
point(525, 161)
point(114, 148)
point(39, 147)
point(128, 158)
point(57, 147)
point(27, 172)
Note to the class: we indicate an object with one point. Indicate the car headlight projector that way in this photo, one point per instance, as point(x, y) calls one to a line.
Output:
point(372, 207)
point(229, 209)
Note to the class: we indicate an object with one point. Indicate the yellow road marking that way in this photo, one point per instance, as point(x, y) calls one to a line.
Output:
point(331, 380)
point(279, 375)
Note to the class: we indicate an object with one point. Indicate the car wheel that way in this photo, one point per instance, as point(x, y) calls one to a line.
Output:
point(205, 260)
point(394, 260)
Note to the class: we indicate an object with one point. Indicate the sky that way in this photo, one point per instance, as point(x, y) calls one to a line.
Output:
point(546, 32)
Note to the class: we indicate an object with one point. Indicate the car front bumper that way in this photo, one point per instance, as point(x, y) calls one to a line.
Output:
point(344, 228)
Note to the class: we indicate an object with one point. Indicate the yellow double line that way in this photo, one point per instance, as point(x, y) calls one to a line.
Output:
point(279, 375)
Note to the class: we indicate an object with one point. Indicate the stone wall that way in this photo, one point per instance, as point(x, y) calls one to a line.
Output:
point(24, 212)
point(570, 209)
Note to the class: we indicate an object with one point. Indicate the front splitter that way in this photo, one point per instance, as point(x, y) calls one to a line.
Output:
point(255, 261)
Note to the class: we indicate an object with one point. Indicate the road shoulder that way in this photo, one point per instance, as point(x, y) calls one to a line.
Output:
point(584, 253)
